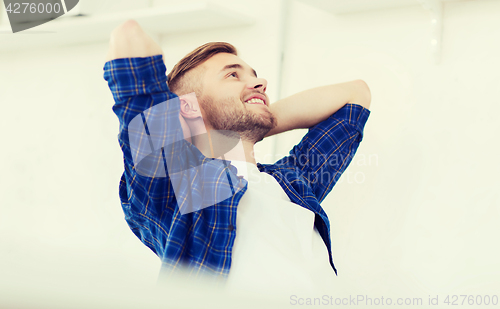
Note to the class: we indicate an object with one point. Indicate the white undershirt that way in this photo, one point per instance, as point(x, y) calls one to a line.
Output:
point(276, 245)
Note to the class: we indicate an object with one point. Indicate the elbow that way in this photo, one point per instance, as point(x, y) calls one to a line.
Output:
point(125, 33)
point(364, 96)
point(130, 40)
point(120, 39)
point(125, 29)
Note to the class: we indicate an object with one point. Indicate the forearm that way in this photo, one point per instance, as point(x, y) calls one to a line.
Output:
point(308, 108)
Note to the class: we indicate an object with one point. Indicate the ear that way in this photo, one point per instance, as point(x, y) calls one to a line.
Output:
point(190, 108)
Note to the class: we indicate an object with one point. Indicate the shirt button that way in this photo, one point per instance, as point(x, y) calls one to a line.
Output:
point(230, 227)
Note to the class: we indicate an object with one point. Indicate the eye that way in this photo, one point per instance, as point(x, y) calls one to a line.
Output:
point(233, 74)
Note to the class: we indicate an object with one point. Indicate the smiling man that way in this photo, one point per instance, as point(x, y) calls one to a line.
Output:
point(234, 98)
point(192, 190)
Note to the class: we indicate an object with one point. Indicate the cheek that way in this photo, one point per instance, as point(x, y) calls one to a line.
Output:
point(223, 98)
point(228, 92)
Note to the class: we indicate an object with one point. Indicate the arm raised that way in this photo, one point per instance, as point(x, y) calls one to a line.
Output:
point(129, 40)
point(308, 108)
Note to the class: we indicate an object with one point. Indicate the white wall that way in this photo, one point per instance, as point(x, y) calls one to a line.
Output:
point(414, 215)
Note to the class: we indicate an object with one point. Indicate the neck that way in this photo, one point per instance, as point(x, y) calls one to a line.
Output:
point(222, 145)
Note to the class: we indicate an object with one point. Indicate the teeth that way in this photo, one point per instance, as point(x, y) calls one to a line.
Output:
point(255, 101)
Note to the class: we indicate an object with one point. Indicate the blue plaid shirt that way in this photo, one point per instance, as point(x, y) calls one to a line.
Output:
point(203, 239)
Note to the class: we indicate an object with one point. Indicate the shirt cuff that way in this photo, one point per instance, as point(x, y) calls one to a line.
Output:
point(354, 114)
point(136, 76)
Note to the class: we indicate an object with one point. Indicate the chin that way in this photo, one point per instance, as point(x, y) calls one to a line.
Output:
point(268, 120)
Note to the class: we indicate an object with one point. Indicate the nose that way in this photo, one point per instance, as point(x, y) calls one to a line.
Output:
point(259, 84)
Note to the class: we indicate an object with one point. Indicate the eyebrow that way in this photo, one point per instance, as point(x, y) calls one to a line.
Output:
point(236, 66)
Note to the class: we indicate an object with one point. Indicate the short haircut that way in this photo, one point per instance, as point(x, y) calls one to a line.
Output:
point(180, 82)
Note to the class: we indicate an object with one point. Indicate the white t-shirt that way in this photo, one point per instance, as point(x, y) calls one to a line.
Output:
point(276, 245)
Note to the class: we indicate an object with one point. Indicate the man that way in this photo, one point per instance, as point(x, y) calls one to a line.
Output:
point(181, 193)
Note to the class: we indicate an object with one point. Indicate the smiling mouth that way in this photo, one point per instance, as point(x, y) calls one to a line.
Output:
point(255, 101)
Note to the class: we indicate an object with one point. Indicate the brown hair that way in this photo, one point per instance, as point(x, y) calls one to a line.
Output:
point(176, 81)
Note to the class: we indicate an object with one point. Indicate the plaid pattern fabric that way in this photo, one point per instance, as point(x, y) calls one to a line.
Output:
point(202, 240)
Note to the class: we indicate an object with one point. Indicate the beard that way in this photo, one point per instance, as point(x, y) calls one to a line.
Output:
point(226, 115)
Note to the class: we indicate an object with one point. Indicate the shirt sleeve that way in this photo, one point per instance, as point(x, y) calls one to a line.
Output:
point(148, 113)
point(327, 149)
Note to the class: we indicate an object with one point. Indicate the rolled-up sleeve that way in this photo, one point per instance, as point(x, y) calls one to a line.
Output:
point(148, 114)
point(328, 148)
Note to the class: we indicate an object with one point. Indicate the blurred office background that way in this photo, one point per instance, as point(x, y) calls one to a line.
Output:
point(415, 214)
